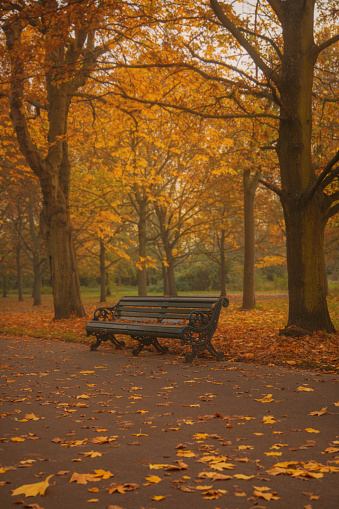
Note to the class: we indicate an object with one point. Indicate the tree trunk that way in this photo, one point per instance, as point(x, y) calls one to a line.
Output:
point(142, 237)
point(305, 258)
point(168, 248)
point(57, 231)
point(250, 187)
point(4, 283)
point(102, 271)
point(305, 213)
point(222, 265)
point(37, 283)
point(172, 287)
point(19, 272)
point(53, 169)
point(165, 278)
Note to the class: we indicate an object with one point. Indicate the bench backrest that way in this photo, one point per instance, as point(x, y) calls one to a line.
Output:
point(164, 308)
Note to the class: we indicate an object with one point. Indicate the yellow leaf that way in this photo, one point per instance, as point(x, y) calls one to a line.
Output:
point(273, 453)
point(267, 419)
point(158, 466)
point(305, 389)
point(267, 399)
point(244, 477)
point(83, 478)
point(83, 396)
point(103, 474)
point(311, 430)
point(17, 439)
point(201, 436)
point(31, 417)
point(187, 454)
point(214, 476)
point(158, 497)
point(91, 454)
point(32, 490)
point(319, 412)
point(153, 479)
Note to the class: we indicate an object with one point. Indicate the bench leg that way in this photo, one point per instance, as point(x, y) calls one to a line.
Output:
point(104, 336)
point(147, 341)
point(196, 349)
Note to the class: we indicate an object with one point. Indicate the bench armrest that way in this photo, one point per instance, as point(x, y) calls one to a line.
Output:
point(101, 314)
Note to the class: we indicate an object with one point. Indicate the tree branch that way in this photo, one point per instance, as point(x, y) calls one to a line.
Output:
point(271, 186)
point(195, 112)
point(229, 25)
point(325, 178)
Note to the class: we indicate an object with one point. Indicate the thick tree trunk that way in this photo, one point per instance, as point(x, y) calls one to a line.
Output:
point(102, 271)
point(305, 259)
point(57, 230)
point(250, 187)
point(53, 169)
point(305, 212)
point(142, 237)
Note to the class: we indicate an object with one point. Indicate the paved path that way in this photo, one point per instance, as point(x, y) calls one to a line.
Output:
point(63, 404)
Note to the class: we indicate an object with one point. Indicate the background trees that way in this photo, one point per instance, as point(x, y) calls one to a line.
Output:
point(141, 101)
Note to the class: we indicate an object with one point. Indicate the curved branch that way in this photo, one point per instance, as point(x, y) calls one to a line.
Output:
point(328, 43)
point(195, 112)
point(333, 210)
point(325, 177)
point(227, 23)
point(271, 186)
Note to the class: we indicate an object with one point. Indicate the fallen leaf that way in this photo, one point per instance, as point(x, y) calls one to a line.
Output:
point(104, 474)
point(305, 389)
point(84, 478)
point(319, 412)
point(32, 490)
point(153, 479)
point(31, 417)
point(214, 476)
point(311, 430)
point(267, 399)
point(122, 488)
point(91, 454)
point(243, 476)
point(158, 497)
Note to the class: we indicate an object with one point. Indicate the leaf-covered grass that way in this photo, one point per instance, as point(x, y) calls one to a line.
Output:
point(251, 336)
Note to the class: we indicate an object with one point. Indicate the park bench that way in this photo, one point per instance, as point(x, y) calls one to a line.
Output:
point(191, 319)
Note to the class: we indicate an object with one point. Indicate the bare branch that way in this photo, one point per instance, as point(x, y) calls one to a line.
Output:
point(229, 25)
point(325, 177)
point(271, 186)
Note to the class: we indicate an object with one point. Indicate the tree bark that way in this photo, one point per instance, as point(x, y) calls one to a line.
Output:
point(37, 283)
point(53, 170)
point(142, 238)
point(222, 265)
point(102, 271)
point(168, 248)
point(305, 226)
point(305, 213)
point(250, 186)
point(19, 272)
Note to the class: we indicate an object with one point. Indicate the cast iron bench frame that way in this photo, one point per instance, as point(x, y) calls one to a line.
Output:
point(146, 319)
